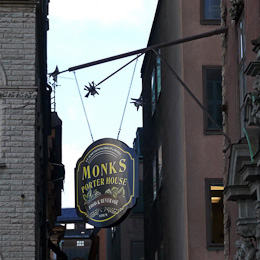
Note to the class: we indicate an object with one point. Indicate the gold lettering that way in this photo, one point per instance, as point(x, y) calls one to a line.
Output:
point(124, 182)
point(86, 173)
point(103, 169)
point(112, 180)
point(102, 181)
point(83, 188)
point(112, 168)
point(123, 165)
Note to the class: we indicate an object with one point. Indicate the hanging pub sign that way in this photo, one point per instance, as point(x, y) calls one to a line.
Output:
point(106, 182)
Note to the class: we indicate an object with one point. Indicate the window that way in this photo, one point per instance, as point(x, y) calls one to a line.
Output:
point(214, 213)
point(154, 179)
point(212, 85)
point(160, 171)
point(157, 172)
point(80, 243)
point(137, 250)
point(158, 75)
point(210, 11)
point(156, 83)
point(70, 226)
point(242, 67)
point(153, 91)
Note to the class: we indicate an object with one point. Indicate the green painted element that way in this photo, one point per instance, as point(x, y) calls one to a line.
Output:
point(252, 136)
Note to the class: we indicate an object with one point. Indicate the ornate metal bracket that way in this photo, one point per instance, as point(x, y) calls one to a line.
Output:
point(236, 9)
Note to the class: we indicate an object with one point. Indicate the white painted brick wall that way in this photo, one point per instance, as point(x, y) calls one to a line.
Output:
point(17, 44)
point(17, 215)
point(17, 132)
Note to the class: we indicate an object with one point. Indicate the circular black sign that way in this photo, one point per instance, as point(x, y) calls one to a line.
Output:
point(106, 179)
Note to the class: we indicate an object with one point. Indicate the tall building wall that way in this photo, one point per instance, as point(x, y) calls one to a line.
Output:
point(201, 160)
point(176, 199)
point(17, 130)
point(164, 217)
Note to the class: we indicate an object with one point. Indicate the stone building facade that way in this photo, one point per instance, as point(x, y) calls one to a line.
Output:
point(240, 52)
point(25, 124)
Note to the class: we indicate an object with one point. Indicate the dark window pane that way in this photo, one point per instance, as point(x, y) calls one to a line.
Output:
point(214, 213)
point(158, 69)
point(217, 228)
point(153, 92)
point(211, 9)
point(213, 97)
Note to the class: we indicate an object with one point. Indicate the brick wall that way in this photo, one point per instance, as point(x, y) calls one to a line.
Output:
point(18, 43)
point(17, 130)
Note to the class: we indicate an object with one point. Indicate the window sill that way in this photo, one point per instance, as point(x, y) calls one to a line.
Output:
point(212, 132)
point(215, 247)
point(210, 22)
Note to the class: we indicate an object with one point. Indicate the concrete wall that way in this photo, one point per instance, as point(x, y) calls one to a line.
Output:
point(17, 130)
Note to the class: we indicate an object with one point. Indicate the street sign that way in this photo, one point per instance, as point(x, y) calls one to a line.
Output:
point(106, 182)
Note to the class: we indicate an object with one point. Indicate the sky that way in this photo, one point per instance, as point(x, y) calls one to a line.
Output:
point(82, 31)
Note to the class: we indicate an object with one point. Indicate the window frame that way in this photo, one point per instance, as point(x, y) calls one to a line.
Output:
point(80, 243)
point(208, 183)
point(155, 82)
point(157, 171)
point(153, 91)
point(242, 81)
point(205, 68)
point(205, 21)
point(154, 170)
point(160, 165)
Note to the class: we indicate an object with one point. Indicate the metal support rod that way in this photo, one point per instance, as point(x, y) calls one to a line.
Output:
point(119, 69)
point(84, 108)
point(191, 94)
point(127, 98)
point(144, 50)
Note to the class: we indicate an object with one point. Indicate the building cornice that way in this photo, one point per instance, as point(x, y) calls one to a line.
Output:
point(15, 2)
